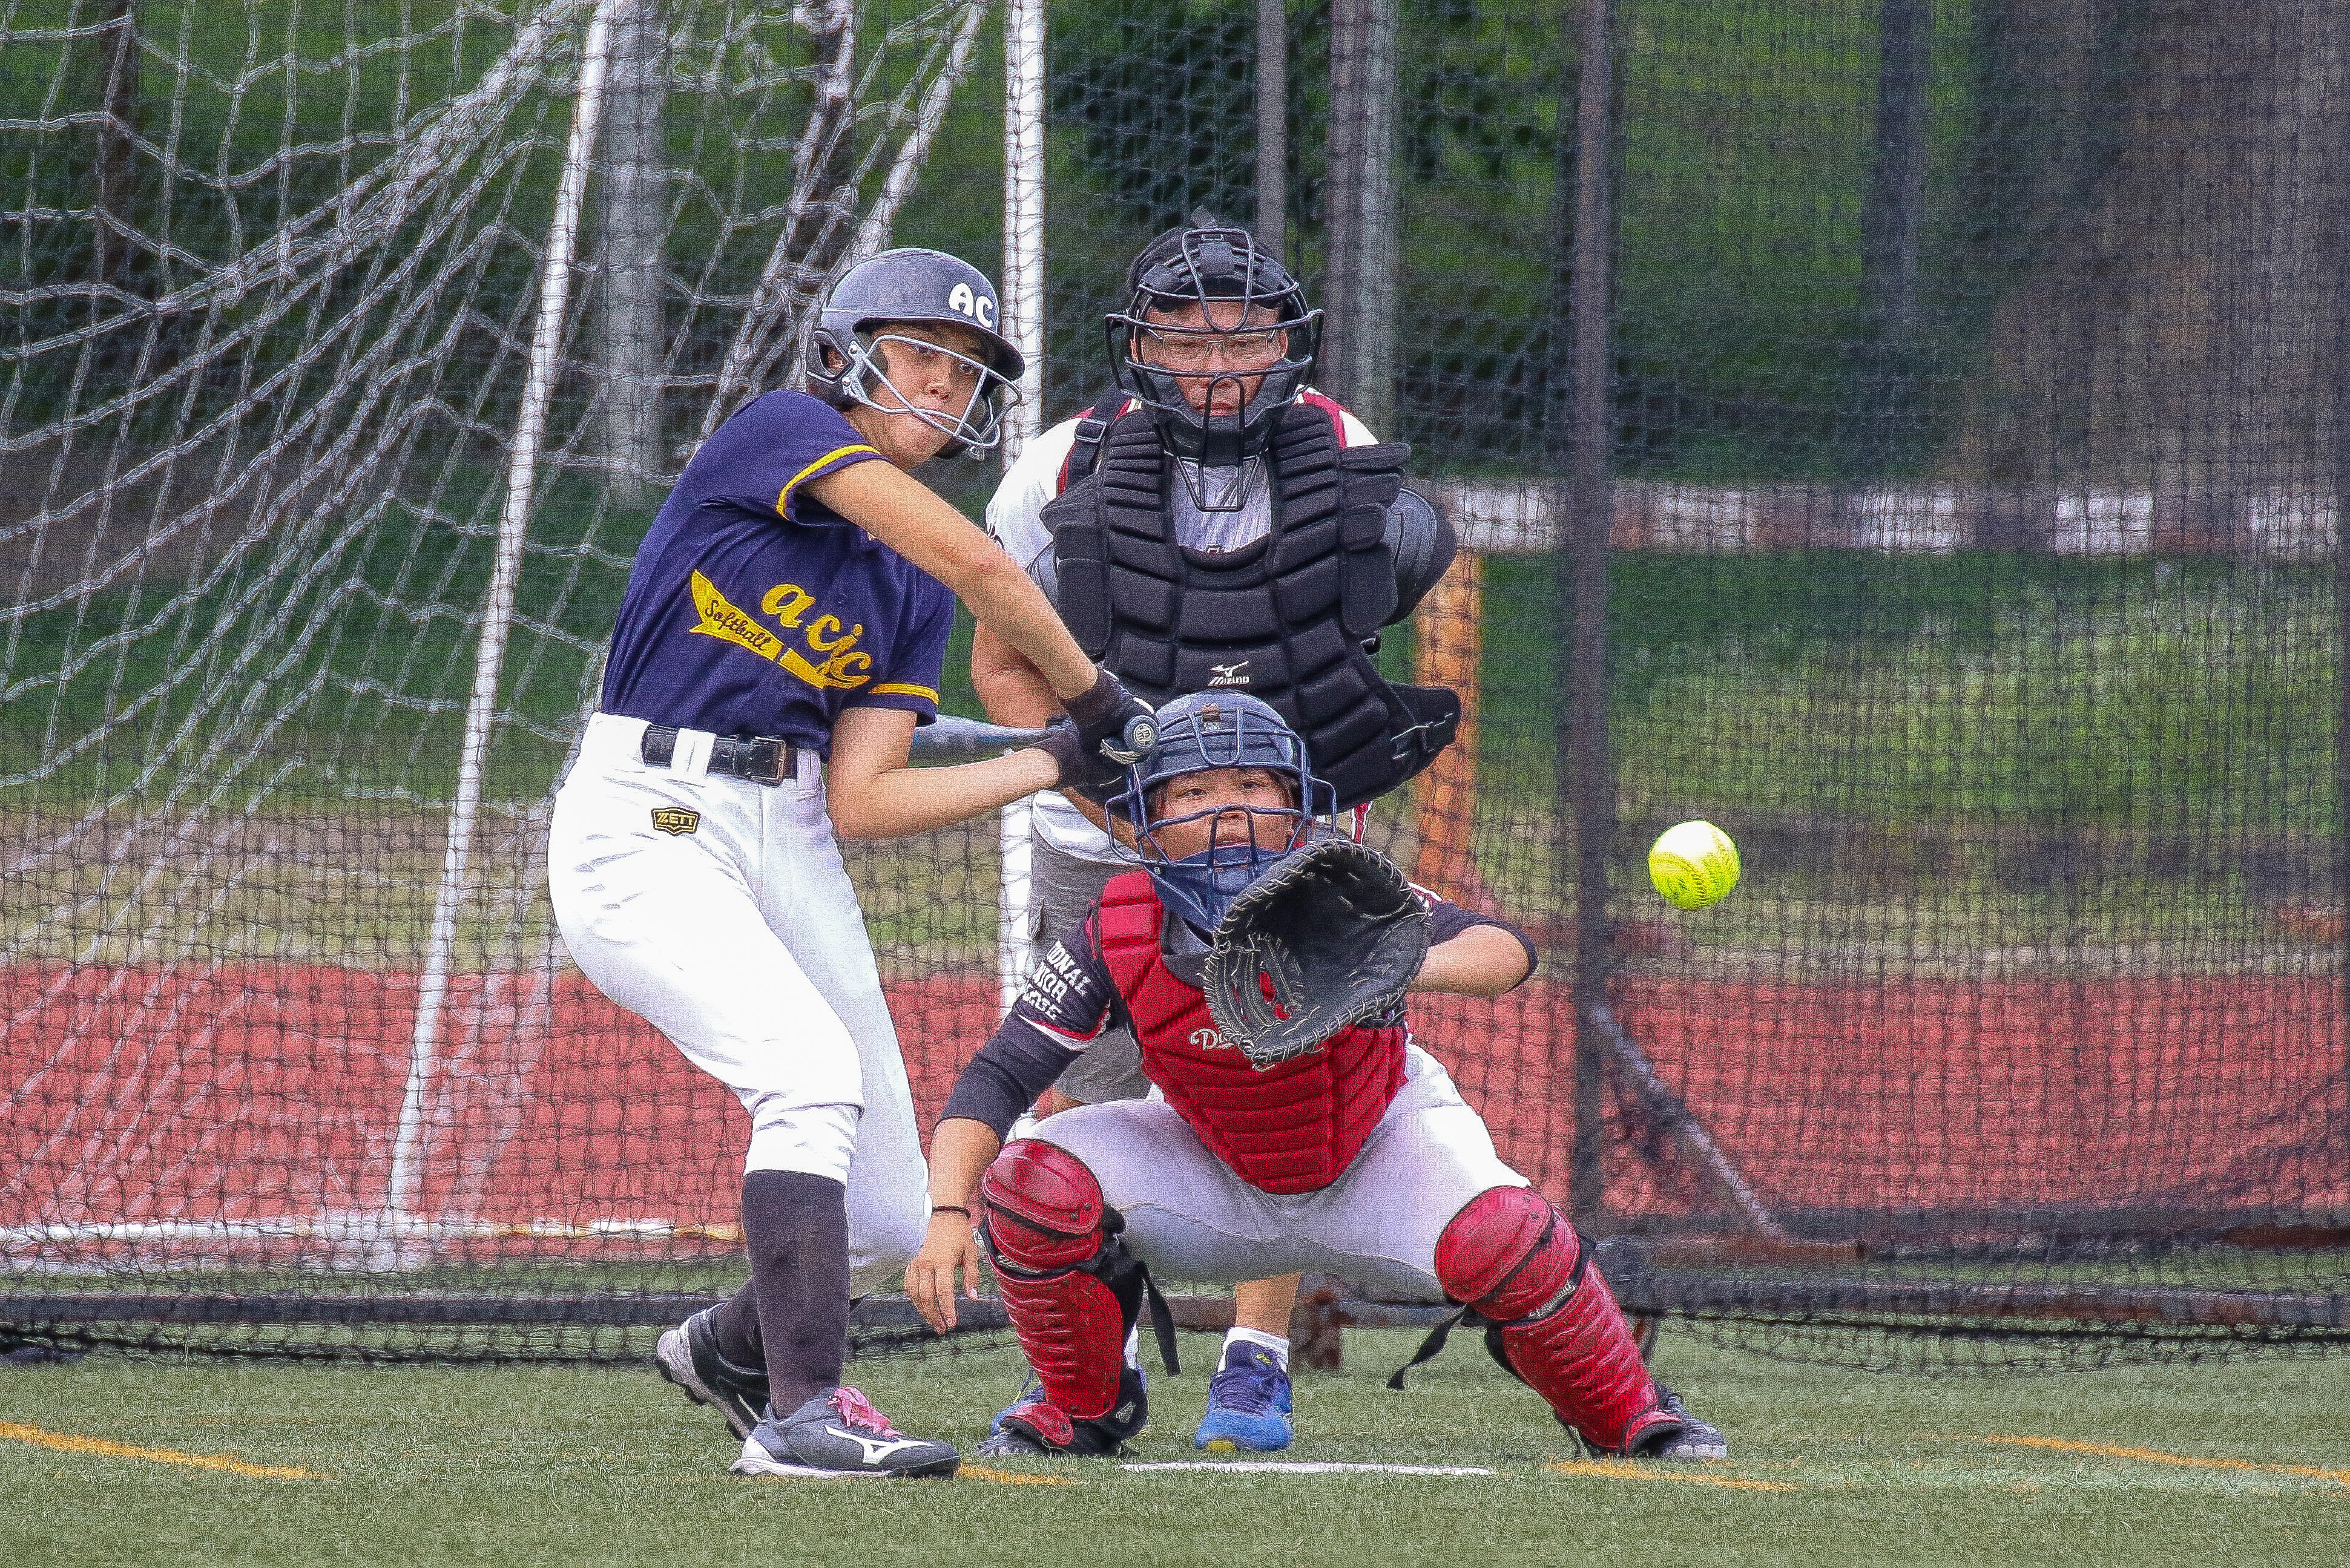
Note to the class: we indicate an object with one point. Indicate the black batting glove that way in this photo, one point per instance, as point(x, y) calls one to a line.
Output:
point(1061, 743)
point(1114, 729)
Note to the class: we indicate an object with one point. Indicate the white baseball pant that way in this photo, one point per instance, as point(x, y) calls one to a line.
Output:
point(1190, 1217)
point(739, 936)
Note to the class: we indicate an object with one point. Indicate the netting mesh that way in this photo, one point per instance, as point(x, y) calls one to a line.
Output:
point(1906, 434)
point(276, 276)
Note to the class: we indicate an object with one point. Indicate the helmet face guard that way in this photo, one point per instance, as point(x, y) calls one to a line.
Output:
point(847, 364)
point(1198, 733)
point(1228, 276)
point(865, 379)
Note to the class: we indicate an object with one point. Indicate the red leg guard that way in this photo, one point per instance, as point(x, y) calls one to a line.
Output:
point(1521, 1266)
point(1044, 1225)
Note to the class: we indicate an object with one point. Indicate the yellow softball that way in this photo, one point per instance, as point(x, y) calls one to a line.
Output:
point(1693, 864)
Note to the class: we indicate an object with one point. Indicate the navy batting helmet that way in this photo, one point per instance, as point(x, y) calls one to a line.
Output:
point(1222, 730)
point(904, 286)
point(1213, 266)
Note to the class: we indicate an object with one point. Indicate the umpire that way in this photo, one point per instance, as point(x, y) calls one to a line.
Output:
point(1211, 522)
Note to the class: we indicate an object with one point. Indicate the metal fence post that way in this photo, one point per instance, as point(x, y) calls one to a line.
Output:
point(1271, 124)
point(1591, 786)
point(1358, 346)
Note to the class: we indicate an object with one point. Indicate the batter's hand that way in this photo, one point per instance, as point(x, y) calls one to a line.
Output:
point(1060, 742)
point(949, 1247)
point(1115, 728)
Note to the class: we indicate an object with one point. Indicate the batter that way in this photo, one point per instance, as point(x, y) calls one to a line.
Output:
point(780, 638)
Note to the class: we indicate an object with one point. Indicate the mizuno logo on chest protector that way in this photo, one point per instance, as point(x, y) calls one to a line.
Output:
point(1228, 674)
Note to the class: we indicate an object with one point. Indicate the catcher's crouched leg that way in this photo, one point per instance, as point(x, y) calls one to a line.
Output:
point(1518, 1263)
point(1073, 1292)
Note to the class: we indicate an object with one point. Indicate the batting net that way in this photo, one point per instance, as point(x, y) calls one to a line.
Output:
point(1906, 434)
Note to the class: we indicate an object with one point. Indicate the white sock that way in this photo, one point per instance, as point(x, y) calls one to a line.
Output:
point(1275, 1343)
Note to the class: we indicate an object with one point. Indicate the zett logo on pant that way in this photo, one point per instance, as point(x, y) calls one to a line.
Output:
point(675, 820)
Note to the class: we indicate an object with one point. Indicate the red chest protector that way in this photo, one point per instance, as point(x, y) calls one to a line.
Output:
point(1293, 1127)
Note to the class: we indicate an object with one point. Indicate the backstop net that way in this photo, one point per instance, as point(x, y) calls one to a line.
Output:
point(1906, 434)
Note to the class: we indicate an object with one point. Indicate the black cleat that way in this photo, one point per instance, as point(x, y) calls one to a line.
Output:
point(1685, 1438)
point(688, 1356)
point(1035, 1425)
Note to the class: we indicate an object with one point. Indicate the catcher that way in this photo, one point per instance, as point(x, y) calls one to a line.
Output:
point(1260, 958)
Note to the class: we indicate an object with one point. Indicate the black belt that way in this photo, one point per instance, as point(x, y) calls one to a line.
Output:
point(764, 760)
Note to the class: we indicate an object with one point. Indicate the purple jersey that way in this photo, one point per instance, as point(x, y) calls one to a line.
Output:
point(754, 609)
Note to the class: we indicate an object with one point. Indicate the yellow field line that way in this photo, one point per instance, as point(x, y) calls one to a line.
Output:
point(1625, 1469)
point(1013, 1477)
point(70, 1443)
point(2185, 1461)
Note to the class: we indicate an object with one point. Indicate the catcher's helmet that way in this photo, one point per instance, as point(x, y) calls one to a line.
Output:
point(1222, 730)
point(913, 286)
point(1212, 261)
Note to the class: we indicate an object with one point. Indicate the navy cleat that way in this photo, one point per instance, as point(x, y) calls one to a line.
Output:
point(1692, 1440)
point(1035, 1425)
point(1030, 1391)
point(688, 1356)
point(1248, 1404)
point(837, 1436)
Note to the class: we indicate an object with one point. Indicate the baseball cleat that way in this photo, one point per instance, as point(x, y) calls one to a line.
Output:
point(837, 1436)
point(1248, 1404)
point(1035, 1425)
point(1011, 1442)
point(688, 1356)
point(1030, 1390)
point(1687, 1437)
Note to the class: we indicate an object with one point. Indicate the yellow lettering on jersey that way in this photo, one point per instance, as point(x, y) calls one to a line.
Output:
point(843, 668)
point(787, 602)
point(724, 621)
point(844, 671)
point(821, 643)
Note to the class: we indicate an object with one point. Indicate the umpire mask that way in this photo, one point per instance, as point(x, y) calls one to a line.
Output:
point(1208, 311)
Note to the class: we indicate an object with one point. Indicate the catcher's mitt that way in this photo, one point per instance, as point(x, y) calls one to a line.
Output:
point(1329, 937)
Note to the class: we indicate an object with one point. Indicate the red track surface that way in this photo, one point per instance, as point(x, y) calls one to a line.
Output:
point(257, 1090)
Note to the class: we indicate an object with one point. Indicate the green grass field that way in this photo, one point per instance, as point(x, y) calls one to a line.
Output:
point(2232, 1463)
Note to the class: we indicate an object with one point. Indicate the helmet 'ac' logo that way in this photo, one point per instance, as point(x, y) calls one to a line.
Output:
point(676, 820)
point(978, 307)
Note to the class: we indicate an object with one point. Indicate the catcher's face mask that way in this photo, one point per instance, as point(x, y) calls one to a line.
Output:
point(1223, 797)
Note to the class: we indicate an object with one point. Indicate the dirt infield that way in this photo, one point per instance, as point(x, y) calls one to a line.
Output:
point(259, 1091)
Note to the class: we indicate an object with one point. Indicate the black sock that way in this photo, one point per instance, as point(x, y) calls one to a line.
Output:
point(796, 1227)
point(735, 1326)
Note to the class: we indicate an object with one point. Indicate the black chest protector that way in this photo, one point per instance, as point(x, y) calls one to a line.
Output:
point(1290, 618)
